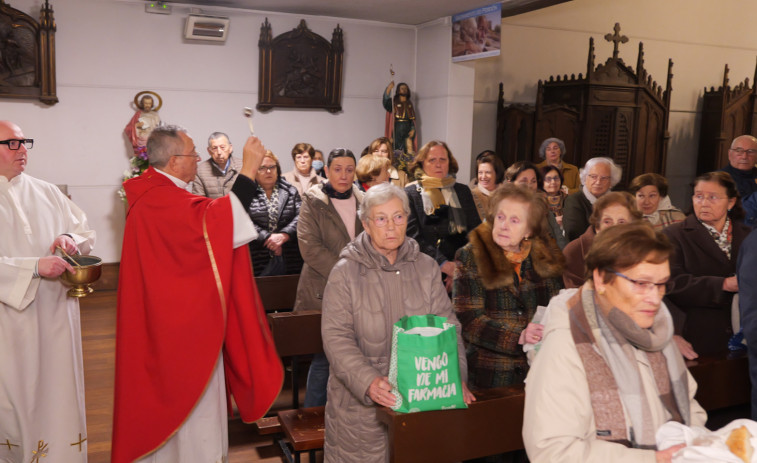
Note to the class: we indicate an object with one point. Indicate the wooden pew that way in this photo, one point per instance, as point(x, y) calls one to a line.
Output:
point(493, 423)
point(489, 426)
point(296, 334)
point(722, 380)
point(278, 292)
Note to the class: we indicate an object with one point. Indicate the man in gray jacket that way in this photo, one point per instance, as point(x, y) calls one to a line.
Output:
point(216, 175)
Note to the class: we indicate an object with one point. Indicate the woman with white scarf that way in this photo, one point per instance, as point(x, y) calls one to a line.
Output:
point(607, 374)
point(442, 210)
point(490, 175)
point(651, 191)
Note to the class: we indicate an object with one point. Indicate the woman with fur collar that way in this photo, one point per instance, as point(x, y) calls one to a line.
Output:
point(509, 267)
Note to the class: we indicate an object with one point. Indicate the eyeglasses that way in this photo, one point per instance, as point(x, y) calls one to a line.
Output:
point(741, 151)
point(700, 198)
point(266, 169)
point(382, 220)
point(551, 179)
point(193, 155)
point(595, 177)
point(15, 143)
point(641, 286)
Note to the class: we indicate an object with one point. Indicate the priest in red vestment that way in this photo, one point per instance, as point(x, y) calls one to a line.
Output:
point(191, 329)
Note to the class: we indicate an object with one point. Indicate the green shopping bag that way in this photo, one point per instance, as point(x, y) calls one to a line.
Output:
point(424, 370)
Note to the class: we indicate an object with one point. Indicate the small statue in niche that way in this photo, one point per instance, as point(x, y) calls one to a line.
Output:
point(400, 123)
point(143, 122)
point(138, 130)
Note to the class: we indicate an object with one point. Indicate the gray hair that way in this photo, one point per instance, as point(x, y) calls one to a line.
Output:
point(616, 172)
point(382, 194)
point(743, 137)
point(163, 143)
point(216, 136)
point(545, 144)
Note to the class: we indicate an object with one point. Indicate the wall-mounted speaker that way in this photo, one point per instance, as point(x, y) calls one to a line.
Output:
point(203, 27)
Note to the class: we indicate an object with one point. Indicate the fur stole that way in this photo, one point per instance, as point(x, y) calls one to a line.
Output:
point(496, 271)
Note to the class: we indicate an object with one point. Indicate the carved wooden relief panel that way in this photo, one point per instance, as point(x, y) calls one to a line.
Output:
point(27, 54)
point(300, 69)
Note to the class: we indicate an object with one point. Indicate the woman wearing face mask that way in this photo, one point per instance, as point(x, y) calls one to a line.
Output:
point(328, 221)
point(383, 147)
point(318, 164)
point(303, 175)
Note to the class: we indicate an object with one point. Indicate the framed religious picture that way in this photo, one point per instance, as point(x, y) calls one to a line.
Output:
point(300, 69)
point(516, 7)
point(27, 54)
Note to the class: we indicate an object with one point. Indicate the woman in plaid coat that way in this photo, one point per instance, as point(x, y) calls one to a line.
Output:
point(509, 267)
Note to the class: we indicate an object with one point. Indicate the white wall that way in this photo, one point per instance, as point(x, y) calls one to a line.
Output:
point(700, 36)
point(107, 51)
point(445, 93)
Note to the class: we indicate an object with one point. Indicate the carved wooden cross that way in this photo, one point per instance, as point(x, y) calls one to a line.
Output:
point(617, 39)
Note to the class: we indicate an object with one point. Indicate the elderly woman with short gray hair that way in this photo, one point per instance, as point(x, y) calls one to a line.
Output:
point(381, 276)
point(552, 150)
point(598, 176)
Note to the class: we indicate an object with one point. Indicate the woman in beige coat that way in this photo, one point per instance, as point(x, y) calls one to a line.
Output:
point(328, 221)
point(381, 277)
point(608, 373)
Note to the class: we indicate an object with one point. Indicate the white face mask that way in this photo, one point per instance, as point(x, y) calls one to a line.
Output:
point(317, 164)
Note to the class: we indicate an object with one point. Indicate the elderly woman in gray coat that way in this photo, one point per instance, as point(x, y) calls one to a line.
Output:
point(381, 277)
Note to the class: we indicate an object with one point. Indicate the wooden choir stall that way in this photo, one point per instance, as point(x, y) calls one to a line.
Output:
point(612, 111)
point(727, 112)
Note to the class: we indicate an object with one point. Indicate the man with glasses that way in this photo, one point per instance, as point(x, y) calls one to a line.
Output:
point(41, 371)
point(190, 321)
point(598, 176)
point(741, 167)
point(216, 175)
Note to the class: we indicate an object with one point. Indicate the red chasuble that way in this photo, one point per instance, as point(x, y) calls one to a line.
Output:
point(184, 294)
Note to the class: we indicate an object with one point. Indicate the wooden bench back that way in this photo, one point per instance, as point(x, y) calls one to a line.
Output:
point(722, 380)
point(296, 333)
point(278, 292)
point(493, 423)
point(489, 426)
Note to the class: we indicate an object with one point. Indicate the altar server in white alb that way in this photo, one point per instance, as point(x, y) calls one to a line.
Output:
point(41, 371)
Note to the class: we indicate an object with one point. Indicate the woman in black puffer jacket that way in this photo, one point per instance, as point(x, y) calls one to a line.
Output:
point(274, 211)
